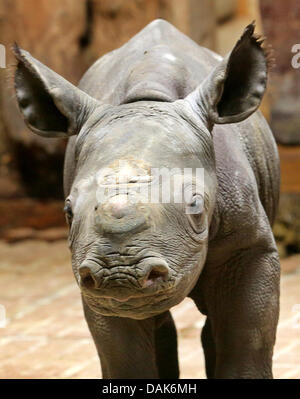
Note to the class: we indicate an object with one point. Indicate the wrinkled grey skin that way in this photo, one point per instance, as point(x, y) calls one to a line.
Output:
point(163, 101)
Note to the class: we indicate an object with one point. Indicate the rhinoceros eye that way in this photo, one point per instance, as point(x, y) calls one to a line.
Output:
point(68, 212)
point(195, 213)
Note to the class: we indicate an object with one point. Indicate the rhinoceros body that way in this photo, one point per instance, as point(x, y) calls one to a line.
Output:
point(161, 101)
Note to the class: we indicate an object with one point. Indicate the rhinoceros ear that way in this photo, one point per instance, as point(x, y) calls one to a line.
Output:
point(51, 106)
point(235, 87)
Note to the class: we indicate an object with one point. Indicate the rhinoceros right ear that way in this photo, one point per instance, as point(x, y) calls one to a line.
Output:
point(51, 106)
point(234, 89)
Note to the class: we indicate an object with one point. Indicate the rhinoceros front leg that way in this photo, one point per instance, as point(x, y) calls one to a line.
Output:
point(166, 346)
point(126, 347)
point(209, 349)
point(242, 303)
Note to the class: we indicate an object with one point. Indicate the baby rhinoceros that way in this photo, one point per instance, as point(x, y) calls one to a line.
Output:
point(163, 115)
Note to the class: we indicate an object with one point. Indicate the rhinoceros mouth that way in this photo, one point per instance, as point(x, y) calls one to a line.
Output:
point(131, 300)
point(137, 304)
point(118, 295)
point(138, 307)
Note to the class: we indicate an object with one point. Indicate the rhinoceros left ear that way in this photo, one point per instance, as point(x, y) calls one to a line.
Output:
point(234, 89)
point(51, 106)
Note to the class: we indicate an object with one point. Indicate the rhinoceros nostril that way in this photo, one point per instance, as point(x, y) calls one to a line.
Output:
point(156, 274)
point(87, 277)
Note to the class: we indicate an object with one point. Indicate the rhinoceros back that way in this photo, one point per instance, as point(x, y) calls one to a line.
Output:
point(159, 63)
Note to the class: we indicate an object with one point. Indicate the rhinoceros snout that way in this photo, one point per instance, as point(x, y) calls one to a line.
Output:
point(155, 271)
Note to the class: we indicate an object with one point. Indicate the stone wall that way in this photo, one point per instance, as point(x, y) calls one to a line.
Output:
point(281, 23)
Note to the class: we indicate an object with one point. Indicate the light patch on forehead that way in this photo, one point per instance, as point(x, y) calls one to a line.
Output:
point(170, 57)
point(124, 171)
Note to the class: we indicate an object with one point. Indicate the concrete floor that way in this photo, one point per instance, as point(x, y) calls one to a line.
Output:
point(46, 335)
